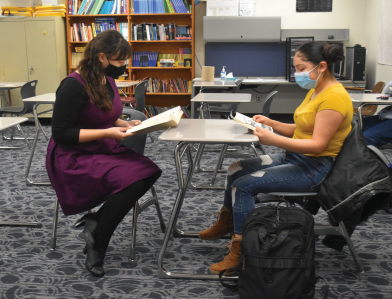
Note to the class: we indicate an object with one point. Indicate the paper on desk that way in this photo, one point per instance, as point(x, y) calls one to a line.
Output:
point(261, 80)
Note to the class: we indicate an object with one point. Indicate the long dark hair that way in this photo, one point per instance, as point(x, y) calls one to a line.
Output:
point(110, 43)
point(317, 52)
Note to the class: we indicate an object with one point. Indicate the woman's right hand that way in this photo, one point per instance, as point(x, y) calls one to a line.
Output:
point(118, 133)
point(263, 120)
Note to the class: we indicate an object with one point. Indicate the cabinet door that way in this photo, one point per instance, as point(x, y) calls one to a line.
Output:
point(42, 57)
point(13, 59)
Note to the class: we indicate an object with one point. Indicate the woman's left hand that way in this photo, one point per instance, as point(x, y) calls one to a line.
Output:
point(265, 136)
point(133, 123)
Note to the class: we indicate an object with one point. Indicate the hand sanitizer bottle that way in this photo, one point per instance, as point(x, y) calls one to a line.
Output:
point(223, 74)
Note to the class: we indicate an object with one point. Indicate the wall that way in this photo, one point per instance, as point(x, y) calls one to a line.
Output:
point(349, 14)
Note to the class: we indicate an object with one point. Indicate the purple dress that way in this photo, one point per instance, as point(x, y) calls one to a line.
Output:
point(85, 174)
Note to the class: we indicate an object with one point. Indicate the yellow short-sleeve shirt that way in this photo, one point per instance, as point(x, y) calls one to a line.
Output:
point(333, 98)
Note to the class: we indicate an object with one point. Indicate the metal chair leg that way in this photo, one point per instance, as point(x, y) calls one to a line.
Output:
point(132, 251)
point(43, 132)
point(158, 208)
point(54, 229)
point(350, 245)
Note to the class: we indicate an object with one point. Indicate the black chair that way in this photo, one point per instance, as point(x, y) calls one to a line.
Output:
point(140, 102)
point(26, 91)
point(137, 142)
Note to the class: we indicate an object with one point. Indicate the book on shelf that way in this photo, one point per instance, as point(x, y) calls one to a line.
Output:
point(167, 119)
point(176, 85)
point(185, 50)
point(249, 122)
point(81, 32)
point(149, 31)
point(152, 110)
point(95, 7)
point(76, 57)
point(152, 58)
point(160, 6)
point(178, 58)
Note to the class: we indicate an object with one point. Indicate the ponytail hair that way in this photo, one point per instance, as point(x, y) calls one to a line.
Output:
point(317, 52)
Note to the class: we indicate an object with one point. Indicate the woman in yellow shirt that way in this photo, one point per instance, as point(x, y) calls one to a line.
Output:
point(321, 124)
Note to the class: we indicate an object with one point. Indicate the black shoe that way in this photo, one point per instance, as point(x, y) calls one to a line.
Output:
point(82, 221)
point(94, 259)
point(334, 242)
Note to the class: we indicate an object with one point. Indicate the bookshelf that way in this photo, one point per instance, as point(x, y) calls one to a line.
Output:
point(163, 47)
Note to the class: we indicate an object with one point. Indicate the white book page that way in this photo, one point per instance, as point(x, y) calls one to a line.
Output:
point(250, 122)
point(155, 119)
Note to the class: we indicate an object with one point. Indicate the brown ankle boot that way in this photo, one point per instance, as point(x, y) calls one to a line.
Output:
point(230, 260)
point(223, 226)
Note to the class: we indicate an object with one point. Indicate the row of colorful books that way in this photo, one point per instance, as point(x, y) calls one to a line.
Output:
point(176, 85)
point(97, 7)
point(161, 6)
point(150, 110)
point(81, 32)
point(171, 31)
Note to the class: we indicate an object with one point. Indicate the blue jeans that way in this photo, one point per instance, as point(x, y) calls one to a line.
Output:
point(284, 172)
point(377, 132)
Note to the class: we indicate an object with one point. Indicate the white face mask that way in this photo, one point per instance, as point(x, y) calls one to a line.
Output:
point(303, 79)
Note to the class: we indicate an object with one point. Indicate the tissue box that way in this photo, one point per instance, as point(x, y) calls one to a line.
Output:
point(232, 79)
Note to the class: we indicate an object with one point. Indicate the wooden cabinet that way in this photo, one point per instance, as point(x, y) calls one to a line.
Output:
point(163, 47)
point(33, 49)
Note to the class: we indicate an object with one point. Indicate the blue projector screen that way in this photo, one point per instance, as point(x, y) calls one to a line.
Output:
point(247, 59)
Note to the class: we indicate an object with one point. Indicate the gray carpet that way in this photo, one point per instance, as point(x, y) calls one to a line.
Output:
point(31, 270)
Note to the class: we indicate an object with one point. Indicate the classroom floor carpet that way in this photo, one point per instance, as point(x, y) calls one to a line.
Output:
point(31, 270)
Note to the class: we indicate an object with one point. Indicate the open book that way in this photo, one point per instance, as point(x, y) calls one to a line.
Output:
point(250, 123)
point(169, 118)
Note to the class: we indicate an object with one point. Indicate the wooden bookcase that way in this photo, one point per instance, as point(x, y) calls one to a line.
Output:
point(163, 47)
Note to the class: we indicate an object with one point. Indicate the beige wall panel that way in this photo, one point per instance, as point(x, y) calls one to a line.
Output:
point(41, 55)
point(13, 60)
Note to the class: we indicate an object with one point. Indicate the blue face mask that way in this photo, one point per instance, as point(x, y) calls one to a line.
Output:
point(303, 79)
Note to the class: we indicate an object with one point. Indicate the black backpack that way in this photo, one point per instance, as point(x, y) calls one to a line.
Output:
point(277, 254)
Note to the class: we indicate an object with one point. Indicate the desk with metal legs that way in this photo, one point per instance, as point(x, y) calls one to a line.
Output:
point(368, 99)
point(225, 98)
point(5, 123)
point(9, 122)
point(125, 83)
point(202, 131)
point(47, 98)
point(7, 86)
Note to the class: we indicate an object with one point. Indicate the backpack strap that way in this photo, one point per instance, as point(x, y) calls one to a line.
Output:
point(326, 284)
point(276, 263)
point(276, 241)
point(232, 287)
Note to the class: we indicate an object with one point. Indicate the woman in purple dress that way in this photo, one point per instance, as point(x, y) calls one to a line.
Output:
point(85, 161)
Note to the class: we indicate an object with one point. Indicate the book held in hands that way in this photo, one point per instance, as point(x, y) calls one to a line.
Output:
point(249, 122)
point(167, 119)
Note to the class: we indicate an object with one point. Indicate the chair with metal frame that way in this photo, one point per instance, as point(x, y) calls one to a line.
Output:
point(137, 142)
point(224, 154)
point(371, 109)
point(26, 91)
point(140, 101)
